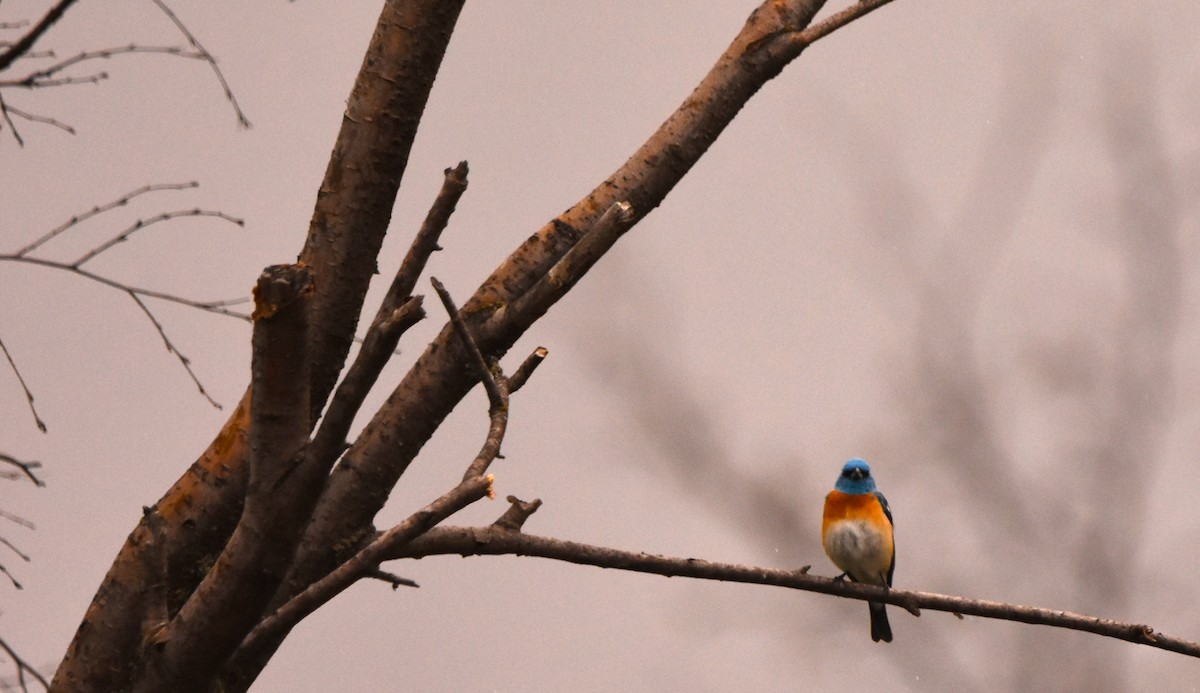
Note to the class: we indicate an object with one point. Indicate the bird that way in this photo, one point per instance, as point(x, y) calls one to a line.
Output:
point(856, 531)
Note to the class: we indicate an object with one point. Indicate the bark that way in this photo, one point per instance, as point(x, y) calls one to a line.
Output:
point(185, 654)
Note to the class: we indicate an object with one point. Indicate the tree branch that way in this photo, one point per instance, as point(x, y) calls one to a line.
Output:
point(26, 42)
point(230, 599)
point(183, 360)
point(496, 540)
point(42, 77)
point(101, 209)
point(208, 58)
point(143, 223)
point(23, 667)
point(377, 349)
point(425, 243)
point(362, 564)
point(28, 396)
point(354, 203)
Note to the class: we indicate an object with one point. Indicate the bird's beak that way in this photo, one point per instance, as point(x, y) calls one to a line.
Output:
point(857, 474)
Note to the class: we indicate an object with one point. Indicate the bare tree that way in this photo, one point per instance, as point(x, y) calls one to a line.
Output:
point(276, 516)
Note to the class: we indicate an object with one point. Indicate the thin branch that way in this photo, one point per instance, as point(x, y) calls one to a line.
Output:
point(34, 54)
point(100, 209)
point(378, 347)
point(220, 307)
point(4, 111)
point(40, 78)
point(69, 80)
point(34, 118)
point(25, 467)
point(364, 562)
point(495, 383)
point(495, 541)
point(12, 547)
point(22, 667)
point(10, 577)
point(496, 395)
point(838, 20)
point(568, 270)
point(518, 379)
point(394, 580)
point(208, 57)
point(143, 223)
point(425, 243)
point(26, 42)
point(183, 360)
point(17, 519)
point(28, 397)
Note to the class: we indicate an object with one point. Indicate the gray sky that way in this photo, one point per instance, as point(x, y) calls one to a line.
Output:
point(957, 239)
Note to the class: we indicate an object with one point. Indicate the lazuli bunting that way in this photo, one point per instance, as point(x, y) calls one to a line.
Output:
point(857, 534)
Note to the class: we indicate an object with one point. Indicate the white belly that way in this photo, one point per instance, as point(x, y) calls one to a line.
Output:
point(859, 550)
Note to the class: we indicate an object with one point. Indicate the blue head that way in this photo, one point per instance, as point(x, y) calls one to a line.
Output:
point(856, 478)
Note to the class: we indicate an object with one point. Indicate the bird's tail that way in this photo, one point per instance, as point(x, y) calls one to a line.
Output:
point(880, 628)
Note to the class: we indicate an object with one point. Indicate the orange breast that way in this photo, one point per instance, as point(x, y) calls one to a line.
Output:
point(858, 506)
point(857, 536)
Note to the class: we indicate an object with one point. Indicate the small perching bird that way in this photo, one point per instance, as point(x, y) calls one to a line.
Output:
point(857, 534)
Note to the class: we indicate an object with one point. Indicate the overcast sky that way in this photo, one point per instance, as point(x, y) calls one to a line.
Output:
point(957, 239)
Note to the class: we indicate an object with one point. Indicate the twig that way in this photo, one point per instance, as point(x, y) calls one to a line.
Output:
point(12, 547)
point(17, 519)
point(490, 383)
point(425, 243)
point(137, 294)
point(496, 384)
point(4, 110)
point(495, 541)
point(22, 667)
point(69, 80)
point(394, 580)
point(25, 467)
point(219, 307)
point(838, 20)
point(208, 57)
point(518, 512)
point(378, 347)
point(518, 379)
point(34, 118)
point(360, 564)
point(183, 360)
point(143, 223)
point(28, 396)
point(799, 39)
point(39, 78)
point(10, 577)
point(26, 42)
point(100, 209)
point(568, 270)
point(34, 54)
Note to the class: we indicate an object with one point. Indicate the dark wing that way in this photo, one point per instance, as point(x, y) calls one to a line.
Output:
point(888, 513)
